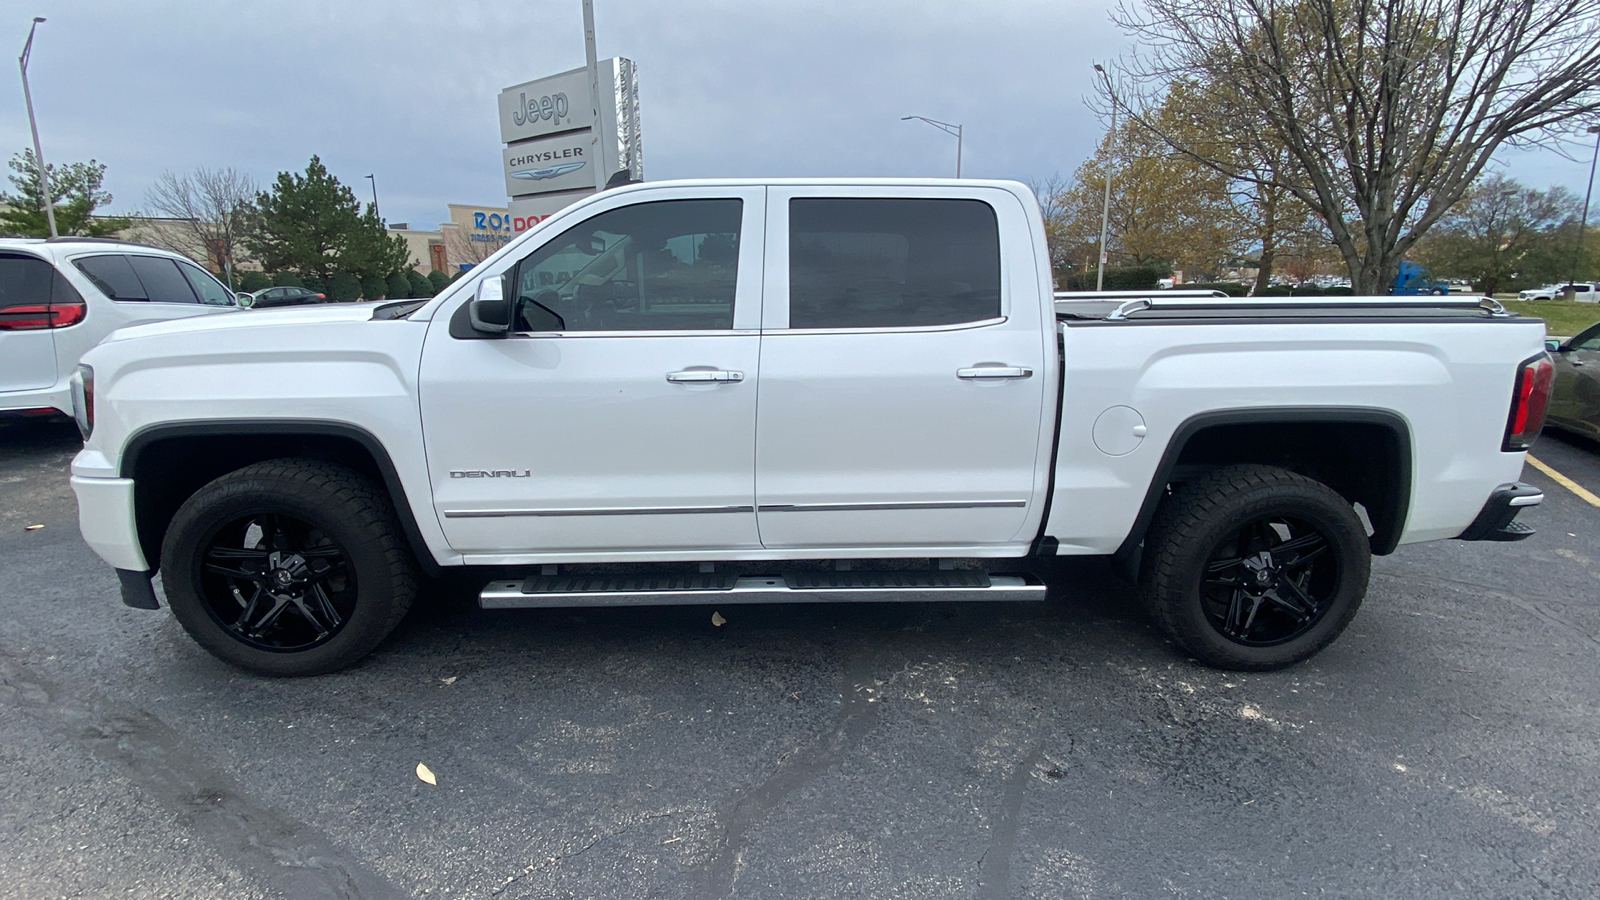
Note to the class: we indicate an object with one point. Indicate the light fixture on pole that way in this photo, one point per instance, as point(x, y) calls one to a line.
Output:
point(1577, 252)
point(947, 128)
point(38, 152)
point(374, 181)
point(1105, 206)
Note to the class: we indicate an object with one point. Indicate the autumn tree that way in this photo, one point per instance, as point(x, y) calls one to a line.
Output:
point(1503, 233)
point(1388, 110)
point(1166, 209)
point(77, 191)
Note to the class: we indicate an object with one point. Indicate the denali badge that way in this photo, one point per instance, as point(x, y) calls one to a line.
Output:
point(486, 473)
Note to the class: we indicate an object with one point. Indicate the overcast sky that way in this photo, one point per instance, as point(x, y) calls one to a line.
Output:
point(406, 89)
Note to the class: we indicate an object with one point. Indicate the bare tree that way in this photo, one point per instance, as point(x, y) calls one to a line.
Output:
point(1051, 193)
point(1388, 110)
point(209, 211)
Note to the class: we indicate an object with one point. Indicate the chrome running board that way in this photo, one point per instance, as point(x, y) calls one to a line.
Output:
point(803, 587)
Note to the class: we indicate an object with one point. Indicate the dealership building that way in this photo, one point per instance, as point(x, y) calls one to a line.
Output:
point(465, 238)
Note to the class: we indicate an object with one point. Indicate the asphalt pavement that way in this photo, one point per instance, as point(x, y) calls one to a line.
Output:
point(1448, 745)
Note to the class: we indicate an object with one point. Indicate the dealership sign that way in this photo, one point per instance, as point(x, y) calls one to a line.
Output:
point(552, 146)
point(559, 162)
point(547, 106)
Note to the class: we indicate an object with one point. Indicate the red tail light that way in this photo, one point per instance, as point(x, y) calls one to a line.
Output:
point(1529, 400)
point(34, 316)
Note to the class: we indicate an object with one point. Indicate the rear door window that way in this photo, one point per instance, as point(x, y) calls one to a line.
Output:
point(892, 262)
point(24, 281)
point(162, 281)
point(113, 276)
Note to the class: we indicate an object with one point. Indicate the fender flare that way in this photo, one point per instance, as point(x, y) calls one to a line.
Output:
point(142, 439)
point(1336, 415)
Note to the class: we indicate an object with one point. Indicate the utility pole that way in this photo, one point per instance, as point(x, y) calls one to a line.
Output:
point(1577, 252)
point(593, 63)
point(374, 180)
point(1105, 206)
point(38, 152)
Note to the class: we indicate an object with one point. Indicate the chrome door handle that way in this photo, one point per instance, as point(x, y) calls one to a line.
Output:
point(994, 372)
point(704, 376)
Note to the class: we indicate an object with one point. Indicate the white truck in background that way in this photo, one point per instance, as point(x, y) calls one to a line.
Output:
point(816, 390)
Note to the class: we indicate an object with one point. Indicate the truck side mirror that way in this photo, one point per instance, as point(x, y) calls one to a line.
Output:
point(489, 310)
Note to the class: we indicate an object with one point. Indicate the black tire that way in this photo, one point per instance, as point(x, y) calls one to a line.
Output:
point(1202, 575)
point(309, 556)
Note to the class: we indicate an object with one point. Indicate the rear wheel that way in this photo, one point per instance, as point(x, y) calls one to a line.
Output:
point(288, 567)
point(1255, 567)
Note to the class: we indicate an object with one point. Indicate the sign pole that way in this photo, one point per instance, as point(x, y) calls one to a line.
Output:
point(594, 95)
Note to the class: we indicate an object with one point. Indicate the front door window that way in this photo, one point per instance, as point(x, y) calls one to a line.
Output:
point(665, 266)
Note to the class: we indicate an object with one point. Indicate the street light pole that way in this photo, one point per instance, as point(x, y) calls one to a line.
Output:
point(38, 152)
point(1577, 252)
point(374, 181)
point(947, 128)
point(591, 60)
point(1105, 205)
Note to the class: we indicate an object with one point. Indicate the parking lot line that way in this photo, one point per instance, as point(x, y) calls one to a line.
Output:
point(1566, 482)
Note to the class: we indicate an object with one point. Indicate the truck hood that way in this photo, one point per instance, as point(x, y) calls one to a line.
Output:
point(251, 318)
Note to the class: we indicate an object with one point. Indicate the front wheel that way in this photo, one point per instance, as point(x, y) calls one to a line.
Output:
point(288, 567)
point(1255, 567)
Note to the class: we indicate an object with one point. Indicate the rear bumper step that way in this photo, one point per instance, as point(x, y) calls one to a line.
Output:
point(804, 587)
point(1496, 522)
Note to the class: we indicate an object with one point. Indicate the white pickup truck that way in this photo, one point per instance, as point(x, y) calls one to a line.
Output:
point(818, 390)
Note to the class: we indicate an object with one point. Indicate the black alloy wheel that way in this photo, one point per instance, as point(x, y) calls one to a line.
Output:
point(288, 567)
point(1269, 582)
point(277, 583)
point(1254, 567)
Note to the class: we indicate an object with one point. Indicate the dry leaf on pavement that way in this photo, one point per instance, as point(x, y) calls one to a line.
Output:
point(426, 774)
point(718, 620)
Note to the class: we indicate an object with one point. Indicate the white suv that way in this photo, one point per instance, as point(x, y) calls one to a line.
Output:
point(59, 297)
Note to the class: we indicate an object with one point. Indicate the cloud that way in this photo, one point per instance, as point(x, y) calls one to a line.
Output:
point(405, 89)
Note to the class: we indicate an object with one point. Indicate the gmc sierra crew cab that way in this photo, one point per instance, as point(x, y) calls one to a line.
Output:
point(817, 390)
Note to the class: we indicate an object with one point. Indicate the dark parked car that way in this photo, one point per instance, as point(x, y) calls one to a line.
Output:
point(284, 296)
point(1575, 400)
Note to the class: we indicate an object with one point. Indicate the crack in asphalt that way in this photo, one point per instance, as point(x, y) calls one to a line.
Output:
point(858, 712)
point(554, 860)
point(994, 866)
point(1526, 605)
point(289, 857)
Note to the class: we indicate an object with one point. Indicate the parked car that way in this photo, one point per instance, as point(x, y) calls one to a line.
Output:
point(868, 369)
point(61, 296)
point(284, 296)
point(1581, 291)
point(1575, 399)
point(1547, 292)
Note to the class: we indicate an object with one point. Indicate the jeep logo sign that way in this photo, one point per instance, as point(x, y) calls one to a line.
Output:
point(546, 107)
